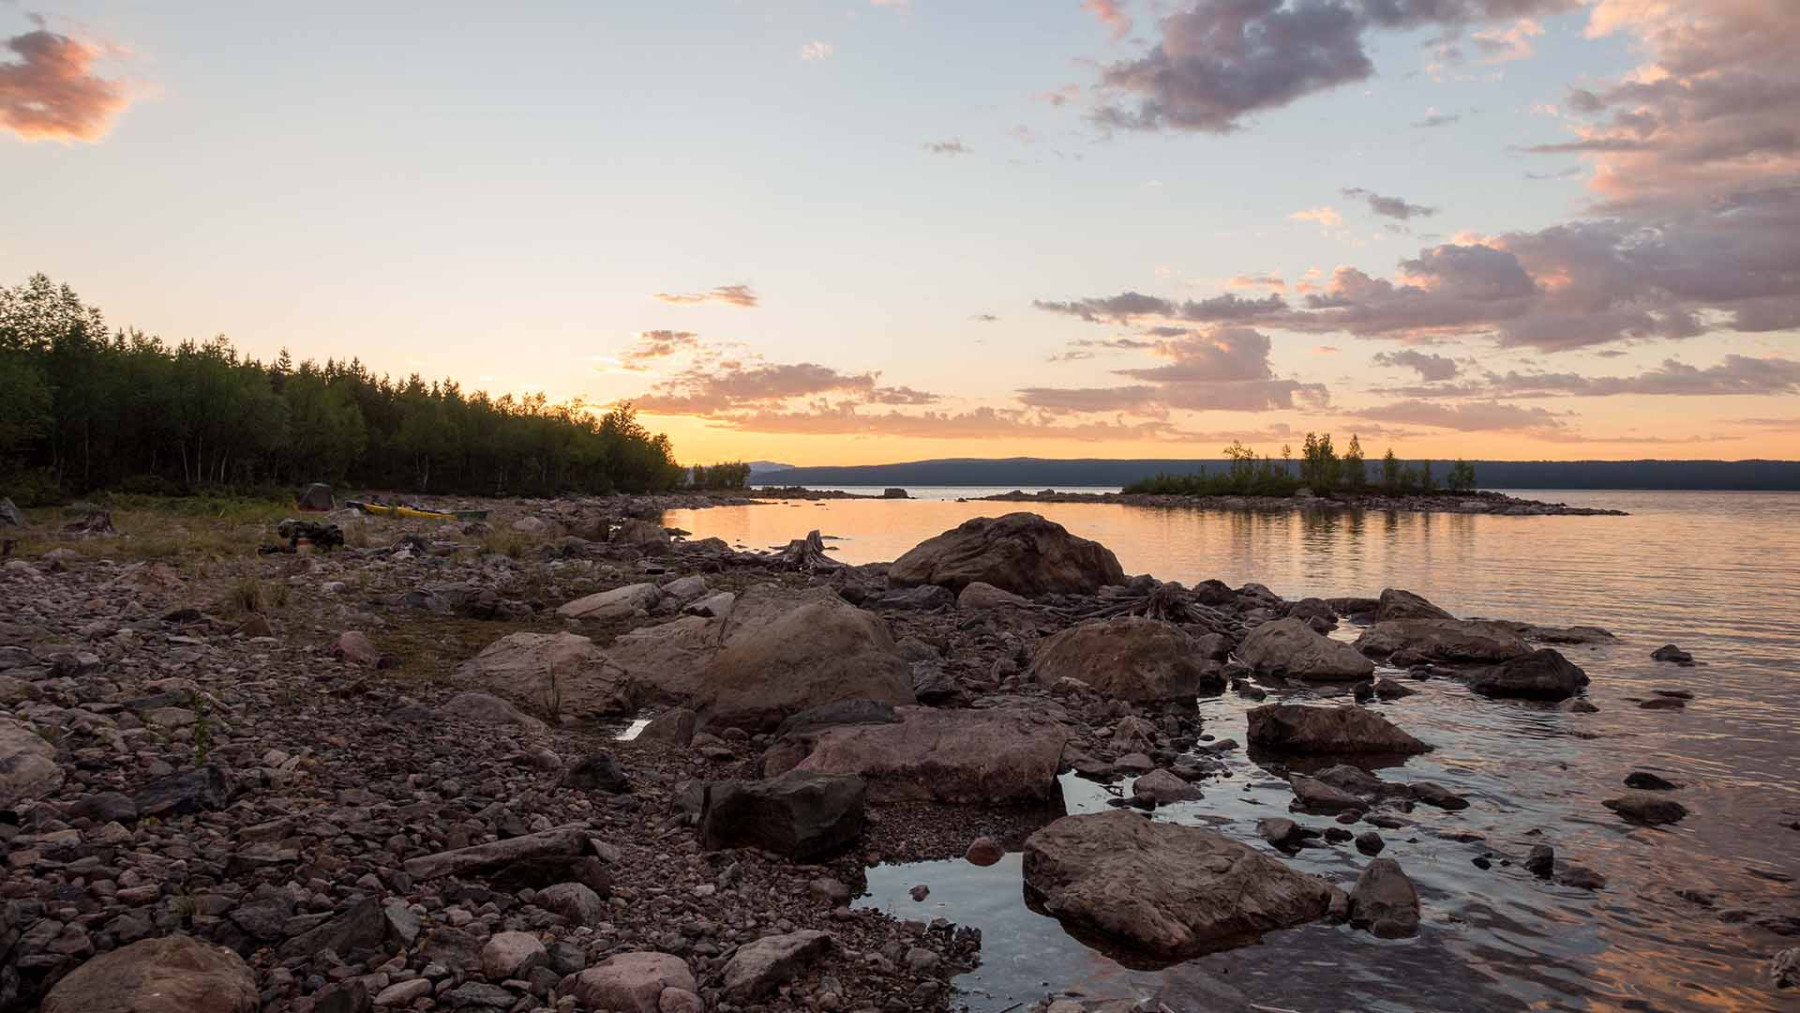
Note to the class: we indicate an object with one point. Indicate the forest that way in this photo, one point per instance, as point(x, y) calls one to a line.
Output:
point(1319, 469)
point(84, 408)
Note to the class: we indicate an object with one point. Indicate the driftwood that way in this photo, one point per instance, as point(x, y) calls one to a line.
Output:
point(806, 555)
point(97, 522)
point(569, 840)
point(1168, 602)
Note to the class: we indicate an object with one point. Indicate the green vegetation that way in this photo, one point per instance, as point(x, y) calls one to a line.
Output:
point(731, 475)
point(1321, 470)
point(82, 409)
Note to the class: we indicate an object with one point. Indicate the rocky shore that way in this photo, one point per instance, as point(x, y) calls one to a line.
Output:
point(1442, 503)
point(393, 776)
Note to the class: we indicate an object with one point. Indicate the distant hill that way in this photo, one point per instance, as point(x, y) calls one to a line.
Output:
point(1031, 473)
point(761, 468)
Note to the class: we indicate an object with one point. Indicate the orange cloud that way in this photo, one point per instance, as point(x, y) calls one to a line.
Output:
point(50, 92)
point(734, 295)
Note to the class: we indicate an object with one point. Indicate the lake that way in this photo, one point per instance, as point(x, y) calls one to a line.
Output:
point(1691, 913)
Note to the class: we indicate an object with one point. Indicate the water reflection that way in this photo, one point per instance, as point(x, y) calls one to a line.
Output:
point(1677, 927)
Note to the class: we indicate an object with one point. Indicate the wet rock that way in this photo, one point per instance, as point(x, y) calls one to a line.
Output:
point(172, 974)
point(617, 603)
point(1370, 843)
point(1299, 728)
point(1784, 968)
point(1290, 648)
point(799, 814)
point(1130, 658)
point(760, 967)
point(1648, 808)
point(1581, 877)
point(1315, 795)
point(979, 596)
point(1544, 674)
point(28, 767)
point(1397, 604)
point(1089, 871)
point(1387, 689)
point(200, 790)
point(1646, 781)
point(991, 755)
point(820, 652)
point(1542, 861)
point(1163, 788)
point(551, 674)
point(1020, 552)
point(1441, 640)
point(1672, 654)
point(984, 851)
point(511, 955)
point(1434, 794)
point(1384, 901)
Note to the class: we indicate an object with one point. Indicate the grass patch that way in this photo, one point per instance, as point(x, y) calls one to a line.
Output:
point(253, 596)
point(160, 528)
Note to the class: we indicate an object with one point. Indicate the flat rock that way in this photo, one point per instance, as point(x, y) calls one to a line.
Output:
point(1315, 795)
point(552, 675)
point(1647, 807)
point(763, 965)
point(1164, 889)
point(992, 755)
point(618, 603)
point(1298, 728)
point(28, 767)
point(1454, 640)
point(980, 596)
point(169, 974)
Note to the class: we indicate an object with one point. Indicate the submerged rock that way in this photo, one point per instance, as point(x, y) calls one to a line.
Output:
point(1289, 647)
point(1384, 901)
point(1672, 654)
point(1299, 728)
point(1019, 552)
point(1095, 872)
point(1130, 658)
point(1646, 807)
point(1544, 674)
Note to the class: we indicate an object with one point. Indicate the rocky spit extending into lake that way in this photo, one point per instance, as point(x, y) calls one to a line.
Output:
point(392, 776)
point(1439, 503)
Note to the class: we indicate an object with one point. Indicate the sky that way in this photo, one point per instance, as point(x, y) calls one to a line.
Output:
point(844, 231)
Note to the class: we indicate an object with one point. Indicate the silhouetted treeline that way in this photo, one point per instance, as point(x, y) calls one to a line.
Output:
point(730, 475)
point(1039, 473)
point(1320, 470)
point(82, 408)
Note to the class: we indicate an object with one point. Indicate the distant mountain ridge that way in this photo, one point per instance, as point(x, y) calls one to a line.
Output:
point(1031, 473)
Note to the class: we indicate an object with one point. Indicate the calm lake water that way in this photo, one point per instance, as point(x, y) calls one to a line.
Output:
point(1691, 913)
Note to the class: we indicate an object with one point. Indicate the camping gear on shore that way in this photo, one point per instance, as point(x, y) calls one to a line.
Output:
point(304, 536)
point(315, 498)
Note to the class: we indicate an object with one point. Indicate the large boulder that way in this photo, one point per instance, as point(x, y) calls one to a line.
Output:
point(632, 982)
point(170, 974)
point(1131, 658)
point(1544, 674)
point(28, 767)
point(1289, 647)
point(1297, 728)
point(1453, 640)
point(618, 603)
point(996, 755)
point(553, 674)
point(799, 814)
point(1397, 604)
point(1167, 890)
point(1019, 552)
point(1384, 901)
point(819, 652)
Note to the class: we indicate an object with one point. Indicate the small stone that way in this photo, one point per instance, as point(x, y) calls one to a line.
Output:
point(920, 892)
point(1542, 861)
point(984, 851)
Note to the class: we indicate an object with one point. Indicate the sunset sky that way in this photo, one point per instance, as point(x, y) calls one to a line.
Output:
point(857, 232)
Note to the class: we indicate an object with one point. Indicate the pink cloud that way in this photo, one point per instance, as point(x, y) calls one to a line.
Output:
point(50, 92)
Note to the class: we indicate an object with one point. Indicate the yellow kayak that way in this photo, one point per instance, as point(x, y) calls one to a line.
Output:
point(402, 511)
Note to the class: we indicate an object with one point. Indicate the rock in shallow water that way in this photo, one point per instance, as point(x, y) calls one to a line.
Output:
point(1290, 648)
point(1543, 674)
point(1384, 901)
point(1020, 552)
point(1130, 658)
point(1647, 808)
point(1165, 889)
point(997, 755)
point(1299, 728)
